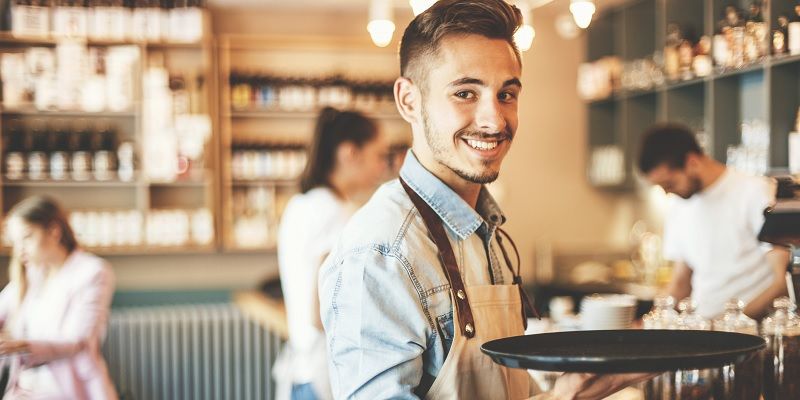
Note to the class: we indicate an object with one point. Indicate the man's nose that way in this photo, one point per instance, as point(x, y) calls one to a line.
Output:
point(490, 117)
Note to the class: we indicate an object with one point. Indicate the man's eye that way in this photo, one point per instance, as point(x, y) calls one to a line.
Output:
point(507, 96)
point(465, 95)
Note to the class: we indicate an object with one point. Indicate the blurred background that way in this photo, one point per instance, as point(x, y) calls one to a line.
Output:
point(175, 132)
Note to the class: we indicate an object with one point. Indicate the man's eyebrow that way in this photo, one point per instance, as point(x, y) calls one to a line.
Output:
point(466, 81)
point(476, 81)
point(512, 82)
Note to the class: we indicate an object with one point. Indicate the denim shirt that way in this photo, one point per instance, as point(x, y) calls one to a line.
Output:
point(384, 297)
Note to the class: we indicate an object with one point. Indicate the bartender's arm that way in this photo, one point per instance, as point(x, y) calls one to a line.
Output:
point(680, 286)
point(778, 259)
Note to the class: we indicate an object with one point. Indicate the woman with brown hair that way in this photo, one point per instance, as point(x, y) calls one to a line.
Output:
point(54, 310)
point(347, 160)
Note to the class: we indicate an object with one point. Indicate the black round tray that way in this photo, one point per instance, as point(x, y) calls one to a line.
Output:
point(623, 350)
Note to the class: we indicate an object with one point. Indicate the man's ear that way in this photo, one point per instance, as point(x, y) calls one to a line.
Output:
point(407, 98)
point(692, 162)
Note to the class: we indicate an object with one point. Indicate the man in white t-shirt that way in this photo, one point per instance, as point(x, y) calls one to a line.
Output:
point(710, 231)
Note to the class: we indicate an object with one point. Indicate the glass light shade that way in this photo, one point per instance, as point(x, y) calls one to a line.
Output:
point(523, 37)
point(381, 32)
point(419, 6)
point(582, 11)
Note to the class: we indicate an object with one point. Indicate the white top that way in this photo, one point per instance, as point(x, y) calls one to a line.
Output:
point(310, 227)
point(714, 232)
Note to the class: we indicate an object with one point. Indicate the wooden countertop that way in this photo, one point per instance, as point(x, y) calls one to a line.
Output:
point(267, 311)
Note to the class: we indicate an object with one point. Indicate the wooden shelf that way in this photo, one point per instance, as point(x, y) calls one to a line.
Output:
point(8, 38)
point(717, 104)
point(252, 250)
point(266, 182)
point(188, 183)
point(141, 195)
point(251, 114)
point(70, 184)
point(259, 125)
point(139, 250)
point(26, 111)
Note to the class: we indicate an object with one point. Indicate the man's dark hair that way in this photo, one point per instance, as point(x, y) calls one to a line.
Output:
point(667, 144)
point(494, 19)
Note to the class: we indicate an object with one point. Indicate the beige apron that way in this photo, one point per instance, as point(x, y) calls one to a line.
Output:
point(482, 313)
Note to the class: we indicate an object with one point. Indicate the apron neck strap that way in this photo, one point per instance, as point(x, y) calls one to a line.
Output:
point(448, 260)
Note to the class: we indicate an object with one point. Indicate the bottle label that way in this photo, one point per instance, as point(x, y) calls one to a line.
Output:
point(15, 166)
point(37, 165)
point(81, 165)
point(59, 165)
point(70, 21)
point(794, 38)
point(29, 21)
point(103, 165)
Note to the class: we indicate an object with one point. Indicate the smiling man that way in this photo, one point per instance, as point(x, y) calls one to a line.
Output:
point(422, 277)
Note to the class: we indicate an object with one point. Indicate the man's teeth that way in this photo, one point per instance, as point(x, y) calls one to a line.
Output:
point(480, 145)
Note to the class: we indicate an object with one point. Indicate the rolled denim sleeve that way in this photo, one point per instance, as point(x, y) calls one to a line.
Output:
point(375, 323)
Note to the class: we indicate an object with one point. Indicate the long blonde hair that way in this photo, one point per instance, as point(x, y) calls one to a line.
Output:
point(44, 212)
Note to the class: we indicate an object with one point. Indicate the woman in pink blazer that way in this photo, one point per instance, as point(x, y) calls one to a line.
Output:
point(54, 310)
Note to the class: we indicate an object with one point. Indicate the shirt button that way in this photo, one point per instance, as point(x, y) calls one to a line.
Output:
point(461, 295)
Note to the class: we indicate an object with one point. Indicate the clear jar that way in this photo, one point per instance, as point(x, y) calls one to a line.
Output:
point(695, 384)
point(781, 330)
point(662, 316)
point(743, 379)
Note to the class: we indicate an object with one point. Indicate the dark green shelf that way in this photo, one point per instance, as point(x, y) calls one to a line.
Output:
point(768, 90)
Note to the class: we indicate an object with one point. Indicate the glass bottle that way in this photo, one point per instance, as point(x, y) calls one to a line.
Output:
point(99, 12)
point(104, 162)
point(70, 18)
point(38, 154)
point(14, 149)
point(59, 157)
point(30, 18)
point(81, 147)
point(757, 31)
point(794, 32)
point(780, 36)
point(781, 330)
point(741, 380)
point(662, 316)
point(695, 384)
point(119, 20)
point(672, 62)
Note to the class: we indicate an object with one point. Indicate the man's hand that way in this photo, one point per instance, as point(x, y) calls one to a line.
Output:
point(13, 346)
point(581, 386)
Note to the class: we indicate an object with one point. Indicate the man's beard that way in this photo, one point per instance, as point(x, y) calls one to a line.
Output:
point(695, 186)
point(439, 152)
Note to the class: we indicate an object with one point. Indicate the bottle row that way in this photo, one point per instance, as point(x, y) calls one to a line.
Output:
point(276, 163)
point(772, 372)
point(61, 153)
point(256, 211)
point(134, 228)
point(70, 77)
point(275, 93)
point(119, 20)
point(751, 156)
point(738, 41)
point(607, 165)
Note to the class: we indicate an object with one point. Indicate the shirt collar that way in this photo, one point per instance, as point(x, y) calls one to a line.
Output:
point(452, 209)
